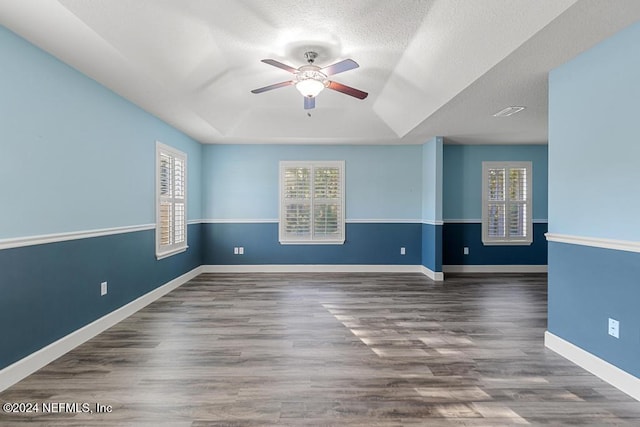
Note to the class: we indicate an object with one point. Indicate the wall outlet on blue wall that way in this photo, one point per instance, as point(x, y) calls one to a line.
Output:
point(403, 251)
point(614, 328)
point(103, 289)
point(465, 250)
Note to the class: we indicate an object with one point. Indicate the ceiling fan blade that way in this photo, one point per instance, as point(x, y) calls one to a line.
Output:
point(339, 67)
point(273, 86)
point(280, 65)
point(348, 90)
point(309, 103)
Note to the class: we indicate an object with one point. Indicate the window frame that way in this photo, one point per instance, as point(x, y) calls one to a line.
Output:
point(167, 250)
point(282, 236)
point(507, 240)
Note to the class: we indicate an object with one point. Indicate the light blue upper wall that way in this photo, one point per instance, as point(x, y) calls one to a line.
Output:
point(432, 180)
point(594, 141)
point(240, 182)
point(462, 177)
point(76, 156)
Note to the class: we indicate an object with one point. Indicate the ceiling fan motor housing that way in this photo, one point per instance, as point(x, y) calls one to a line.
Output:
point(311, 72)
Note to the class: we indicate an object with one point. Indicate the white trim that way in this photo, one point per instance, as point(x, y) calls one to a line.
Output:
point(602, 369)
point(432, 222)
point(383, 221)
point(31, 363)
point(194, 221)
point(433, 275)
point(494, 268)
point(596, 242)
point(74, 235)
point(239, 221)
point(311, 242)
point(479, 221)
point(323, 268)
point(508, 243)
point(312, 268)
point(172, 252)
point(348, 221)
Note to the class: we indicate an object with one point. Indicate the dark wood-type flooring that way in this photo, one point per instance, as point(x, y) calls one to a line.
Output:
point(329, 350)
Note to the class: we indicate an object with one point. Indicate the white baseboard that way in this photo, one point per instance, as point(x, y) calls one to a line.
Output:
point(604, 370)
point(311, 268)
point(433, 275)
point(323, 268)
point(28, 365)
point(494, 268)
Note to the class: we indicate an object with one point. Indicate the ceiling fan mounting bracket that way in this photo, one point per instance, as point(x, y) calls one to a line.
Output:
point(311, 56)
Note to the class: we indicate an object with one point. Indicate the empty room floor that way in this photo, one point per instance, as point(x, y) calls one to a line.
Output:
point(328, 350)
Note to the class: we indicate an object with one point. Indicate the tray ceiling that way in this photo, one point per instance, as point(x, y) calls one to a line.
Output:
point(432, 67)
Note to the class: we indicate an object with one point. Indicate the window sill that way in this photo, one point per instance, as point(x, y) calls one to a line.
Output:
point(312, 242)
point(507, 243)
point(162, 255)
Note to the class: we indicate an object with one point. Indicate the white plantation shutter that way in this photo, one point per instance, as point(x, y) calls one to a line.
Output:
point(297, 202)
point(171, 217)
point(311, 202)
point(506, 203)
point(517, 214)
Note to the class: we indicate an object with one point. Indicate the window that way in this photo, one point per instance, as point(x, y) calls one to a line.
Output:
point(311, 202)
point(506, 203)
point(171, 201)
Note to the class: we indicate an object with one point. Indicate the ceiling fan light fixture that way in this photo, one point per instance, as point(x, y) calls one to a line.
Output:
point(310, 87)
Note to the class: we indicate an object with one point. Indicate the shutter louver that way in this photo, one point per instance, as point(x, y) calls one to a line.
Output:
point(518, 202)
point(297, 192)
point(327, 197)
point(496, 220)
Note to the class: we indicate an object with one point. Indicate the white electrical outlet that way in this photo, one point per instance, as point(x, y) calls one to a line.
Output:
point(103, 289)
point(236, 250)
point(614, 328)
point(465, 250)
point(241, 250)
point(403, 251)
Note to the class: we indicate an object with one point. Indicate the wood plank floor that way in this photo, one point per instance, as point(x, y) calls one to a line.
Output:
point(325, 350)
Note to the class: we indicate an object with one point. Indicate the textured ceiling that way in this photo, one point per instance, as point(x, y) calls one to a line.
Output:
point(431, 67)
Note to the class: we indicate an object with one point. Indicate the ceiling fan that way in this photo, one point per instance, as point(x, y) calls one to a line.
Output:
point(310, 79)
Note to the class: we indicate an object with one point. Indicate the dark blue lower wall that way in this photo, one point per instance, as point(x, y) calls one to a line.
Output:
point(370, 243)
point(587, 286)
point(48, 291)
point(455, 236)
point(432, 247)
